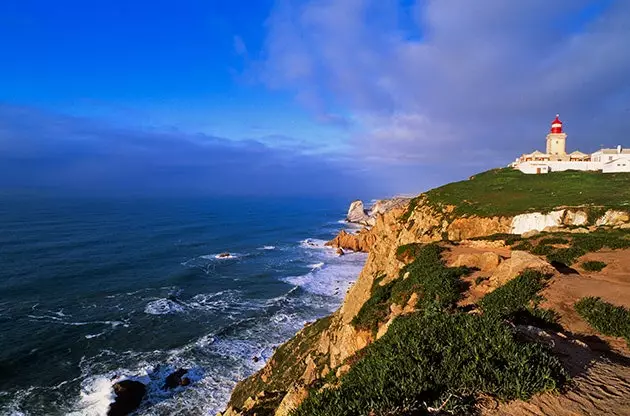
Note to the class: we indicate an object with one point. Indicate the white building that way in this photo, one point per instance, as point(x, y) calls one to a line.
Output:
point(556, 159)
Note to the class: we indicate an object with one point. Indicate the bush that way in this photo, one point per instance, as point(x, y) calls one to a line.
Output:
point(553, 240)
point(426, 357)
point(593, 266)
point(516, 295)
point(434, 283)
point(542, 250)
point(523, 246)
point(605, 317)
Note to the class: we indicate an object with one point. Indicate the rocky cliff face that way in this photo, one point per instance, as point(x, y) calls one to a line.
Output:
point(331, 345)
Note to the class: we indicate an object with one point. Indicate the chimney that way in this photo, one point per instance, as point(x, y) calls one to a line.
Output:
point(619, 149)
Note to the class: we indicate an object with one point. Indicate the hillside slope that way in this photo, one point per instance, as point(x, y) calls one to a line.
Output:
point(470, 288)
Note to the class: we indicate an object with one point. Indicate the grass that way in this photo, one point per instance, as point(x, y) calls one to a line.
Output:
point(427, 357)
point(593, 266)
point(429, 278)
point(510, 192)
point(605, 317)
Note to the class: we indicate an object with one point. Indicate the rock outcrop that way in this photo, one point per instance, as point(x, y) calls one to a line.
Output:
point(357, 213)
point(129, 395)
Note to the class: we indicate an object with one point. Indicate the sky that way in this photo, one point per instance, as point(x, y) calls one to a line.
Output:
point(364, 98)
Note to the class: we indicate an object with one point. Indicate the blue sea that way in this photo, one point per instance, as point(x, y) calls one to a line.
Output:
point(97, 290)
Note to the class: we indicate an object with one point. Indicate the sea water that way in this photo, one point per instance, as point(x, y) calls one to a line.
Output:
point(97, 290)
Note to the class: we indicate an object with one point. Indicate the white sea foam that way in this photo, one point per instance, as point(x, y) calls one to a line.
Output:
point(316, 266)
point(313, 243)
point(332, 280)
point(163, 307)
point(267, 248)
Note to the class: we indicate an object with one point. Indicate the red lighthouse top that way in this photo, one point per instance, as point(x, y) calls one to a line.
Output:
point(556, 125)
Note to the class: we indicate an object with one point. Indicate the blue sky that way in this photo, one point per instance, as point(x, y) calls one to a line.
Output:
point(299, 96)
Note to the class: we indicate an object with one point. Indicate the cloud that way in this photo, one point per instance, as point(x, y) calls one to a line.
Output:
point(62, 154)
point(465, 83)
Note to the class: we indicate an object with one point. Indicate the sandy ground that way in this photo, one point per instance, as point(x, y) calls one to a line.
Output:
point(599, 365)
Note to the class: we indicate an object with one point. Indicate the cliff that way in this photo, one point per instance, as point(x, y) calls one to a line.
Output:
point(492, 231)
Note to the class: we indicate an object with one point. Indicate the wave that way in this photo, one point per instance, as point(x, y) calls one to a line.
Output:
point(163, 307)
point(267, 248)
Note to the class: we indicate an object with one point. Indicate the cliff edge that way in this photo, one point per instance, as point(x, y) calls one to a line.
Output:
point(493, 295)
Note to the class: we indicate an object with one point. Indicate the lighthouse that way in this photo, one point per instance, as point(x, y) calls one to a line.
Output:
point(557, 141)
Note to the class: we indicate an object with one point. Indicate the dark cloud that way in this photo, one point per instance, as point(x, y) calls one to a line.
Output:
point(59, 154)
point(474, 84)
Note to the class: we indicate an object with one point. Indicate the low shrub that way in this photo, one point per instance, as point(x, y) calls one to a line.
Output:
point(516, 295)
point(553, 240)
point(542, 250)
point(605, 317)
point(523, 246)
point(593, 266)
point(427, 357)
point(434, 283)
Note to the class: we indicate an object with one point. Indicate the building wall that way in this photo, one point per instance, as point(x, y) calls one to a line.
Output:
point(556, 144)
point(621, 163)
point(546, 167)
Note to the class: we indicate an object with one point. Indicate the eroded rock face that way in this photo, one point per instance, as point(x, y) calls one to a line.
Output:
point(577, 218)
point(361, 241)
point(536, 221)
point(357, 213)
point(613, 218)
point(129, 395)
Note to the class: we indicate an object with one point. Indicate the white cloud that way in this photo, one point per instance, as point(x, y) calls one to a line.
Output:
point(476, 78)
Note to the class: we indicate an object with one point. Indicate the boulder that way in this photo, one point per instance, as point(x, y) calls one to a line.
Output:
point(486, 262)
point(339, 251)
point(129, 395)
point(224, 255)
point(356, 212)
point(175, 379)
point(518, 262)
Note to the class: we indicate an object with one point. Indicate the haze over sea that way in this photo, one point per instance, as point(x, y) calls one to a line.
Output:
point(93, 290)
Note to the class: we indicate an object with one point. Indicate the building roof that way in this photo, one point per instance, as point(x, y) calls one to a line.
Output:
point(577, 153)
point(613, 151)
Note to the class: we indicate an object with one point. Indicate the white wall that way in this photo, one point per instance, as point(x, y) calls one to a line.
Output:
point(621, 163)
point(551, 166)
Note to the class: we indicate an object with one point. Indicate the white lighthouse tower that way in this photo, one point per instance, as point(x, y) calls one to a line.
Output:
point(557, 141)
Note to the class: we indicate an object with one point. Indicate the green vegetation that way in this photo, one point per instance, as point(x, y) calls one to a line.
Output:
point(578, 244)
point(593, 266)
point(605, 317)
point(518, 301)
point(439, 355)
point(426, 358)
point(510, 192)
point(428, 277)
point(515, 295)
point(480, 279)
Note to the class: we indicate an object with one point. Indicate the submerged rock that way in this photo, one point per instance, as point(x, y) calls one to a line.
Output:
point(224, 255)
point(129, 395)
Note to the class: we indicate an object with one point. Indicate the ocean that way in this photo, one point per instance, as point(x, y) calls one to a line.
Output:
point(96, 290)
